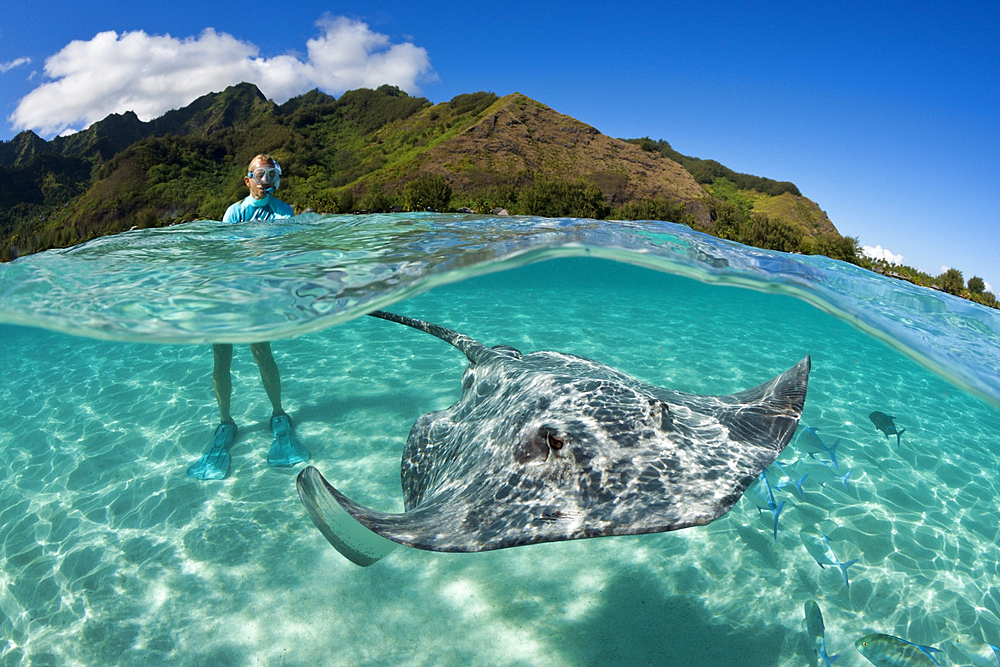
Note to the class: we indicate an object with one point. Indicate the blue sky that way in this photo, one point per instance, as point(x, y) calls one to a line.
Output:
point(886, 114)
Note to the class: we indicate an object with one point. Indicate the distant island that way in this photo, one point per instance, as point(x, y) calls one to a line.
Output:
point(383, 150)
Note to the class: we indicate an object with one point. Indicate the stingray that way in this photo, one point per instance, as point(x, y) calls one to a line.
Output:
point(547, 446)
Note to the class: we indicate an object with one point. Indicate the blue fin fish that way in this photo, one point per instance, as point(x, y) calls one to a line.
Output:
point(809, 438)
point(977, 651)
point(823, 472)
point(885, 423)
point(763, 498)
point(818, 546)
point(814, 626)
point(888, 651)
point(786, 479)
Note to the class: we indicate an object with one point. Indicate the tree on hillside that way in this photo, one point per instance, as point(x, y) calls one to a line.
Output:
point(562, 199)
point(706, 171)
point(726, 190)
point(951, 281)
point(427, 192)
point(472, 102)
point(761, 231)
point(835, 246)
point(659, 208)
point(726, 220)
point(757, 230)
point(987, 299)
point(377, 199)
point(976, 285)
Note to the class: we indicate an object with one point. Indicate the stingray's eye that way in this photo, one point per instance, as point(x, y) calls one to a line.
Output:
point(536, 447)
point(553, 440)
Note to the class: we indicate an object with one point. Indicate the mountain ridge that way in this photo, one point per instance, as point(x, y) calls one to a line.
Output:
point(521, 135)
point(361, 152)
point(116, 132)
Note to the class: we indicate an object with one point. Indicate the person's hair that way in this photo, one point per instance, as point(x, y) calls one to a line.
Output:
point(260, 157)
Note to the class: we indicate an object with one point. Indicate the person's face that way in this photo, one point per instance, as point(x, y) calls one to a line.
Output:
point(257, 189)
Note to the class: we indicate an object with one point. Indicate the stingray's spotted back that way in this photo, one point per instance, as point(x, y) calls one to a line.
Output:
point(549, 446)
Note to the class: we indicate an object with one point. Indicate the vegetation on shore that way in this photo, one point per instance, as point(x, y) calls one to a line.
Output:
point(951, 281)
point(381, 150)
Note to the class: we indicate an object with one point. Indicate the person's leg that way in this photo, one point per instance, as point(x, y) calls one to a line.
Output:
point(222, 379)
point(286, 450)
point(268, 374)
point(215, 462)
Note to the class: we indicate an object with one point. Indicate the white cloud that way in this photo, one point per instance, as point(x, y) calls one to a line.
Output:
point(878, 252)
point(8, 66)
point(151, 74)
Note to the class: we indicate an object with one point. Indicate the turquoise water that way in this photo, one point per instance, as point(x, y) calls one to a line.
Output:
point(109, 554)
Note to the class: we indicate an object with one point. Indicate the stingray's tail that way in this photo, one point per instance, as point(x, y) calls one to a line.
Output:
point(471, 348)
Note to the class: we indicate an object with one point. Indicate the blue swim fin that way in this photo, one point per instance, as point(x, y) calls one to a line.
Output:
point(286, 450)
point(215, 463)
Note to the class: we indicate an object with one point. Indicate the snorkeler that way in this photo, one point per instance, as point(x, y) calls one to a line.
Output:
point(263, 178)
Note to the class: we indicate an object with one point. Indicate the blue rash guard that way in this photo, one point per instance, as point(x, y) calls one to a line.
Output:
point(268, 208)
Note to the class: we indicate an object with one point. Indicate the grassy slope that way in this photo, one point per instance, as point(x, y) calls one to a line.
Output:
point(798, 209)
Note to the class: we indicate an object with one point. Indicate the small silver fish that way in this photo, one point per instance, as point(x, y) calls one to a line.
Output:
point(885, 423)
point(818, 546)
point(823, 471)
point(979, 652)
point(786, 479)
point(888, 651)
point(810, 440)
point(814, 626)
point(763, 497)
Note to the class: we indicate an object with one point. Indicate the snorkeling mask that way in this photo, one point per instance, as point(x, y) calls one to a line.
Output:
point(272, 175)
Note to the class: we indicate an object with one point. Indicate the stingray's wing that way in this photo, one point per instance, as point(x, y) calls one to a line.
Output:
point(325, 506)
point(454, 520)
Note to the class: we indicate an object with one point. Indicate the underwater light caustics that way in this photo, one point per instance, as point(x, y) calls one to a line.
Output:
point(547, 446)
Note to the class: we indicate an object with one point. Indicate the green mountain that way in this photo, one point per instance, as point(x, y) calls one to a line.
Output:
point(234, 107)
point(380, 150)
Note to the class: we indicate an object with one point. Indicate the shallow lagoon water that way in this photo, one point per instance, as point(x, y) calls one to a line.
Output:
point(109, 554)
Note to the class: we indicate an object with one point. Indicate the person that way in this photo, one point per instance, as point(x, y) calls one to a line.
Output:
point(263, 179)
